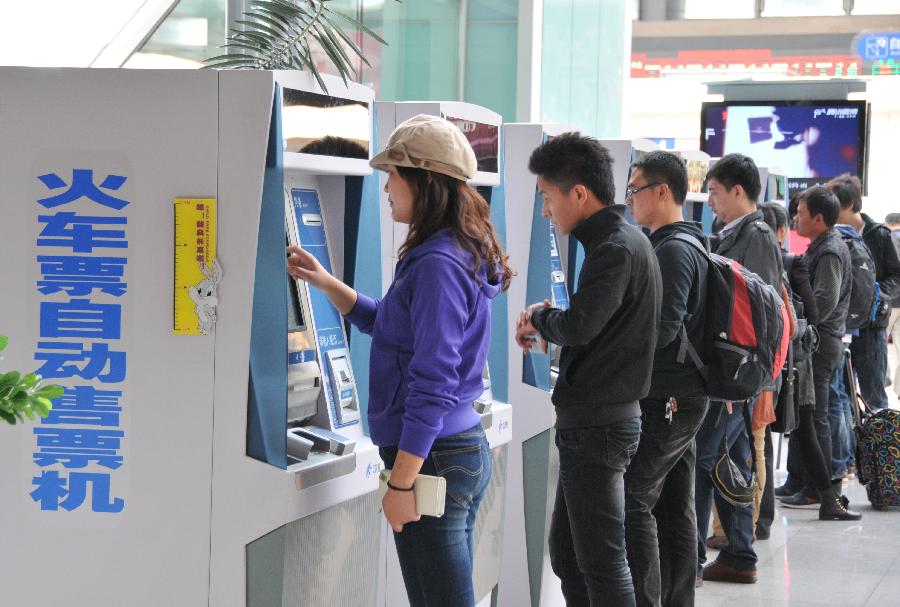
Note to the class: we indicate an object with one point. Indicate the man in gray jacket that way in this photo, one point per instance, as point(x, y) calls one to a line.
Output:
point(734, 187)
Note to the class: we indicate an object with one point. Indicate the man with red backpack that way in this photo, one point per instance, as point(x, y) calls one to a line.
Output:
point(660, 525)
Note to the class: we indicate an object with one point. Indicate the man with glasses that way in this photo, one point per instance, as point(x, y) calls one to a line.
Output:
point(734, 187)
point(660, 524)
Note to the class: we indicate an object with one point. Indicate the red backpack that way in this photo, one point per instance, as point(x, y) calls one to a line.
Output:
point(746, 332)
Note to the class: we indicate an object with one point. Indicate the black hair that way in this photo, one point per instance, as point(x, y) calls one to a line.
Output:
point(572, 159)
point(665, 167)
point(335, 146)
point(793, 205)
point(892, 218)
point(737, 169)
point(821, 201)
point(848, 190)
point(774, 214)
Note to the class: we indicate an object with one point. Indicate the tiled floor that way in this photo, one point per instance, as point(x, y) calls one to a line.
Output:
point(808, 562)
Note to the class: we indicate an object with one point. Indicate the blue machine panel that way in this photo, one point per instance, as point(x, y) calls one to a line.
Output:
point(267, 398)
point(559, 291)
point(328, 322)
point(536, 365)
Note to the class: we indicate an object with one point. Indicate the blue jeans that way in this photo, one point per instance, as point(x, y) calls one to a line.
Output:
point(869, 350)
point(839, 417)
point(737, 522)
point(587, 530)
point(436, 553)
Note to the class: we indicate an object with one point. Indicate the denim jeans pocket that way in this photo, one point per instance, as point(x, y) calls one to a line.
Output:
point(462, 467)
point(622, 440)
point(568, 438)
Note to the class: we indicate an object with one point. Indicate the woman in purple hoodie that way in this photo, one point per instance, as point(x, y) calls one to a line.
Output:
point(430, 339)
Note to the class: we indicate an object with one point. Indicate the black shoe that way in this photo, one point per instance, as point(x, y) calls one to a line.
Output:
point(784, 490)
point(835, 508)
point(800, 500)
point(762, 533)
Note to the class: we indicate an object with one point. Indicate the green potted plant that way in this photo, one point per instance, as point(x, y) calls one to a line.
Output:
point(23, 396)
point(278, 34)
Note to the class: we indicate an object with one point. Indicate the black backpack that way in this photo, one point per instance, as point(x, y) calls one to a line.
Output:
point(864, 292)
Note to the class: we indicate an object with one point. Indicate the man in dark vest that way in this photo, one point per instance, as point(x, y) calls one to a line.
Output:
point(829, 267)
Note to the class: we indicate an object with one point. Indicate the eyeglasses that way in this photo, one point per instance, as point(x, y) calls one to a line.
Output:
point(630, 192)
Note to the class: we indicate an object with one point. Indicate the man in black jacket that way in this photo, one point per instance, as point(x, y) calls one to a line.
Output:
point(869, 348)
point(734, 187)
point(660, 522)
point(608, 338)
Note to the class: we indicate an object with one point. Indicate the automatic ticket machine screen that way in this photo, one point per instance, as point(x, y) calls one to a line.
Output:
point(324, 125)
point(485, 142)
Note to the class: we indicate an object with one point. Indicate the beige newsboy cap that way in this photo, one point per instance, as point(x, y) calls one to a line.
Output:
point(431, 143)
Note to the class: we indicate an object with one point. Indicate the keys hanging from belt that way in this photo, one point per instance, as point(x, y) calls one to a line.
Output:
point(671, 408)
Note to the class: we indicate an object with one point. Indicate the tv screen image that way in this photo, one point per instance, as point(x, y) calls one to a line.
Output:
point(808, 141)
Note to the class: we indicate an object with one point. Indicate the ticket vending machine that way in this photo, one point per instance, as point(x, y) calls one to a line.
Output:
point(328, 552)
point(482, 128)
point(541, 259)
point(165, 477)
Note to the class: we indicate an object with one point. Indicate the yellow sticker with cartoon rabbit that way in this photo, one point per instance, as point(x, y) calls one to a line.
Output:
point(197, 271)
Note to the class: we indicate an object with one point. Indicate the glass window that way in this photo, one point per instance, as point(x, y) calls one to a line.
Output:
point(192, 32)
point(876, 7)
point(803, 8)
point(64, 34)
point(717, 9)
point(421, 60)
point(491, 55)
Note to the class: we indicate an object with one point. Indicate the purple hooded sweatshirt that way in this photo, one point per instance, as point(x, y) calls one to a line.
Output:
point(430, 339)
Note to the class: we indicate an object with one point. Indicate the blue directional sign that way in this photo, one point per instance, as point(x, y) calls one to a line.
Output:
point(879, 47)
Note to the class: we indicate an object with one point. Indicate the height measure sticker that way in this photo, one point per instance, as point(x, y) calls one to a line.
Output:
point(197, 271)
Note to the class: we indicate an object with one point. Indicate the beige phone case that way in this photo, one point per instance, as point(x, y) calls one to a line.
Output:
point(431, 493)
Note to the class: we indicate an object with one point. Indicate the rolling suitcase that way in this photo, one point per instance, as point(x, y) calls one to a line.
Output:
point(877, 446)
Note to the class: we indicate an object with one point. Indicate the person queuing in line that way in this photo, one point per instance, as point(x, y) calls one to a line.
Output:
point(430, 338)
point(829, 266)
point(869, 347)
point(804, 452)
point(608, 339)
point(660, 522)
point(734, 187)
point(892, 221)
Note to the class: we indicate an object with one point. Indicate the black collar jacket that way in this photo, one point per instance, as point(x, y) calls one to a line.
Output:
point(608, 335)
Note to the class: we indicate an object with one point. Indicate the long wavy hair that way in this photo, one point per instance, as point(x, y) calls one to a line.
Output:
point(439, 202)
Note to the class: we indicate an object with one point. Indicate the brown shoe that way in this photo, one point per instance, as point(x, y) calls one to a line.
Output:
point(719, 572)
point(716, 542)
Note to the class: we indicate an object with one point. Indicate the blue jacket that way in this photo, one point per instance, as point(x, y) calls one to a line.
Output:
point(430, 339)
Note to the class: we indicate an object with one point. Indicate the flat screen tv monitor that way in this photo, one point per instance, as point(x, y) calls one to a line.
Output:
point(810, 141)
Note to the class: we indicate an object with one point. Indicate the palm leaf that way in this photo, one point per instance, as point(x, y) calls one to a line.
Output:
point(276, 34)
